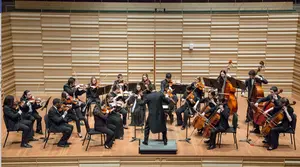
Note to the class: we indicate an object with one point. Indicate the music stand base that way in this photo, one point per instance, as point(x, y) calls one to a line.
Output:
point(186, 140)
point(134, 139)
point(246, 140)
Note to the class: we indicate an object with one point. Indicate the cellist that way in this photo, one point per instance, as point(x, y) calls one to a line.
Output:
point(286, 123)
point(274, 98)
point(250, 85)
point(221, 126)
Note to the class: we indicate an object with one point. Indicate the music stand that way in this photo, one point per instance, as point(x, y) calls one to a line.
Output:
point(45, 106)
point(107, 89)
point(179, 89)
point(213, 83)
point(131, 86)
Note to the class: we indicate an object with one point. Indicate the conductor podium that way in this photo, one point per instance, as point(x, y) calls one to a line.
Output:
point(158, 147)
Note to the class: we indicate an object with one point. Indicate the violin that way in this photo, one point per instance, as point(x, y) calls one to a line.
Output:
point(229, 92)
point(106, 110)
point(273, 121)
point(64, 107)
point(199, 85)
point(191, 97)
point(258, 117)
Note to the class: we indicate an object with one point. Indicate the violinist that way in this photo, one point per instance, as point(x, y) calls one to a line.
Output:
point(285, 124)
point(145, 83)
point(274, 98)
point(58, 122)
point(137, 110)
point(199, 87)
point(166, 82)
point(250, 84)
point(91, 93)
point(116, 90)
point(74, 113)
point(113, 118)
point(189, 99)
point(121, 83)
point(13, 121)
point(102, 126)
point(172, 104)
point(29, 109)
point(221, 126)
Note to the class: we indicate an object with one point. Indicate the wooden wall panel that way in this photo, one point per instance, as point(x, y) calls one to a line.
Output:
point(7, 64)
point(48, 48)
point(112, 46)
point(296, 74)
point(27, 51)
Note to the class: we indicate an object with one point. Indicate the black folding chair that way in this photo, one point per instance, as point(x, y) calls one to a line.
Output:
point(232, 130)
point(7, 130)
point(48, 130)
point(88, 136)
point(292, 131)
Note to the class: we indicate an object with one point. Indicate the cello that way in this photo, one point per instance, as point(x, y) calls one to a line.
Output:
point(229, 92)
point(273, 121)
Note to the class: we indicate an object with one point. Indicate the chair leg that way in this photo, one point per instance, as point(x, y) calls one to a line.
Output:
point(294, 141)
point(291, 138)
point(84, 138)
point(6, 139)
point(220, 139)
point(87, 146)
point(102, 139)
point(235, 141)
point(46, 140)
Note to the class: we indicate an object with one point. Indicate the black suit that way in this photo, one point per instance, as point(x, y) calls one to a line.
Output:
point(221, 126)
point(59, 124)
point(101, 126)
point(92, 96)
point(273, 137)
point(13, 122)
point(33, 115)
point(187, 109)
point(156, 121)
point(250, 87)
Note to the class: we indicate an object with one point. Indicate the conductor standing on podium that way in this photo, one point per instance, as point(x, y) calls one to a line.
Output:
point(156, 121)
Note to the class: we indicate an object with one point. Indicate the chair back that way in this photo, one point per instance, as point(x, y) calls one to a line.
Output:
point(294, 122)
point(6, 123)
point(46, 119)
point(235, 121)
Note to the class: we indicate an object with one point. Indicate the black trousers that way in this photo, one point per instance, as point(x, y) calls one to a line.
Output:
point(147, 131)
point(115, 119)
point(213, 135)
point(26, 129)
point(124, 115)
point(273, 137)
point(77, 116)
point(38, 119)
point(29, 123)
point(89, 102)
point(66, 129)
point(109, 131)
point(186, 112)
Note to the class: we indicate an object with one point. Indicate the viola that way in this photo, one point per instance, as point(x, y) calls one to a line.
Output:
point(64, 107)
point(200, 85)
point(229, 92)
point(273, 121)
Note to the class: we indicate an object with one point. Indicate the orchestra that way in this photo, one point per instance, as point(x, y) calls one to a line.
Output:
point(270, 115)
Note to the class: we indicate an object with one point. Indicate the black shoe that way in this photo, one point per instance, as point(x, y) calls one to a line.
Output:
point(121, 138)
point(256, 131)
point(178, 125)
point(211, 147)
point(183, 127)
point(39, 132)
point(62, 145)
point(207, 141)
point(270, 148)
point(265, 141)
point(107, 147)
point(26, 145)
point(79, 135)
point(125, 126)
point(68, 143)
point(247, 120)
point(145, 143)
point(33, 139)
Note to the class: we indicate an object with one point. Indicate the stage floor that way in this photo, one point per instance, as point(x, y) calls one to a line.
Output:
point(124, 148)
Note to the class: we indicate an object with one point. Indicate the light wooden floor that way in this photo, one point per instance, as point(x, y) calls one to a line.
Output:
point(126, 148)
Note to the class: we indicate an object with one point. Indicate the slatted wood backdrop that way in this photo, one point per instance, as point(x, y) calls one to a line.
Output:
point(296, 78)
point(50, 47)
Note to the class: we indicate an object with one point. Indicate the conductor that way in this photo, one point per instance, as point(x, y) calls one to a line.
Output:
point(156, 121)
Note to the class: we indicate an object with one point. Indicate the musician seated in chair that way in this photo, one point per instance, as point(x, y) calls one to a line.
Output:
point(100, 117)
point(91, 93)
point(13, 121)
point(199, 87)
point(75, 112)
point(58, 122)
point(114, 117)
point(29, 109)
point(221, 126)
point(274, 98)
point(118, 97)
point(173, 102)
point(286, 124)
point(121, 83)
point(137, 111)
point(189, 99)
point(250, 86)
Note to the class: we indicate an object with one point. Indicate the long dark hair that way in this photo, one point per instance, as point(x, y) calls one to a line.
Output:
point(9, 101)
point(92, 78)
point(25, 93)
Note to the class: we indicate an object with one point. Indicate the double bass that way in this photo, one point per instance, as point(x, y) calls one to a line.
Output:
point(229, 92)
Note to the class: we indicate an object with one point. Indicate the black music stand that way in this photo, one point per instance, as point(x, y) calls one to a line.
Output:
point(107, 89)
point(213, 83)
point(187, 139)
point(131, 86)
point(179, 89)
point(45, 107)
point(240, 85)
